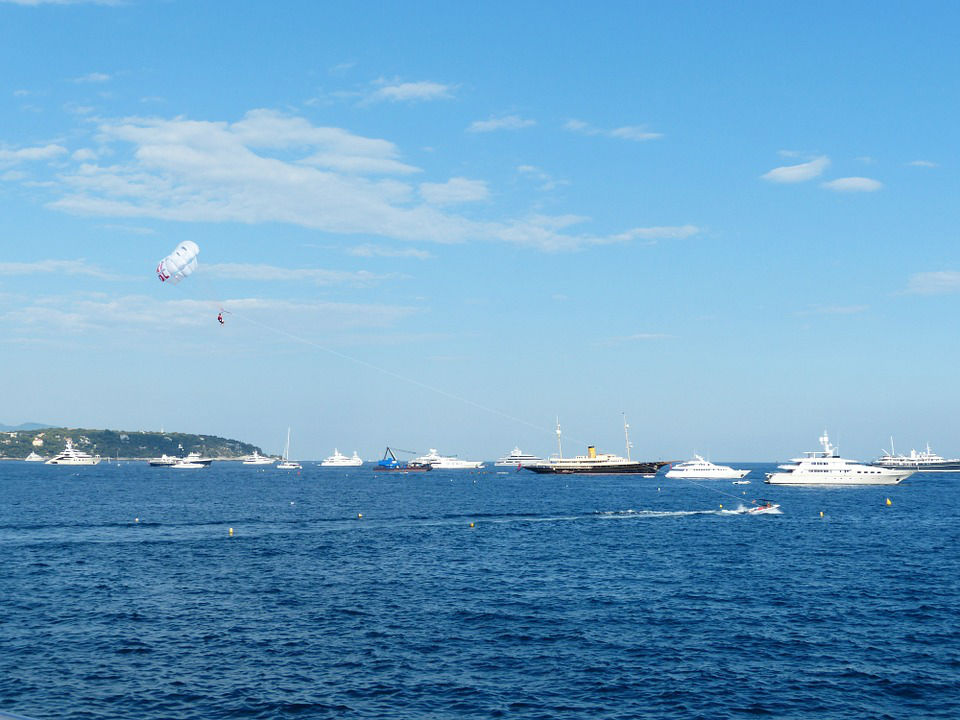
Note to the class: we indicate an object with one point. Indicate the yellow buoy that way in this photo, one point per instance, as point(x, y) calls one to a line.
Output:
point(359, 516)
point(471, 524)
point(888, 502)
point(136, 520)
point(821, 513)
point(721, 506)
point(231, 532)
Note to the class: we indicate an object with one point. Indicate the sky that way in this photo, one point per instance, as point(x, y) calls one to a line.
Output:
point(448, 225)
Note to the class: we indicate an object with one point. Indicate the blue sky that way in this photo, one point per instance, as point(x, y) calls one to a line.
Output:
point(435, 225)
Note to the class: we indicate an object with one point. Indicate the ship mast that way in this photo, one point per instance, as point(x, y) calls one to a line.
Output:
point(559, 444)
point(626, 434)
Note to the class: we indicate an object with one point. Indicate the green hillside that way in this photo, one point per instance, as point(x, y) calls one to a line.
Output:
point(127, 444)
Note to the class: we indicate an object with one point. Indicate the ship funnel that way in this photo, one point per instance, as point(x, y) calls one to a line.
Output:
point(592, 451)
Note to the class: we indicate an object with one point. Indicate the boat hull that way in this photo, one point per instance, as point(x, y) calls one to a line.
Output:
point(945, 466)
point(792, 479)
point(638, 468)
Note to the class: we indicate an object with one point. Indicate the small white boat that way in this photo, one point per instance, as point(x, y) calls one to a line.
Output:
point(187, 465)
point(338, 459)
point(698, 468)
point(33, 457)
point(258, 459)
point(740, 482)
point(764, 506)
point(285, 462)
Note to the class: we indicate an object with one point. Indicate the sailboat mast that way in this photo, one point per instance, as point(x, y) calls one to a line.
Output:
point(626, 434)
point(559, 444)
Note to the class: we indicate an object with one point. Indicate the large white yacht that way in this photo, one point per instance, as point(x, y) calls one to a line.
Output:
point(517, 458)
point(72, 456)
point(338, 459)
point(826, 467)
point(445, 462)
point(258, 459)
point(698, 468)
point(923, 461)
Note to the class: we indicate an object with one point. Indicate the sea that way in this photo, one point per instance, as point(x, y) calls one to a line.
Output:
point(128, 591)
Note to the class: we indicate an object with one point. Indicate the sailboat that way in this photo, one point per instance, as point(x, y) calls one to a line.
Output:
point(286, 463)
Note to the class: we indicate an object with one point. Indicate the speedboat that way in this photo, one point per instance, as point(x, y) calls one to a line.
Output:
point(258, 459)
point(763, 506)
point(184, 464)
point(72, 456)
point(923, 461)
point(338, 459)
point(740, 482)
point(517, 458)
point(826, 467)
point(445, 462)
point(704, 469)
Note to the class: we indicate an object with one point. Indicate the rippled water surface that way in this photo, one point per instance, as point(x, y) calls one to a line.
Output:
point(122, 595)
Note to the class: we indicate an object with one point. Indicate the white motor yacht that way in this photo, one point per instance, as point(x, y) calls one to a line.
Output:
point(445, 462)
point(826, 467)
point(258, 459)
point(517, 458)
point(698, 468)
point(72, 456)
point(338, 459)
point(184, 464)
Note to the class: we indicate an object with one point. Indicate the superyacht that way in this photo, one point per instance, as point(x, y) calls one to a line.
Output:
point(71, 456)
point(338, 459)
point(826, 467)
point(517, 458)
point(595, 463)
point(924, 461)
point(445, 462)
point(698, 468)
point(258, 459)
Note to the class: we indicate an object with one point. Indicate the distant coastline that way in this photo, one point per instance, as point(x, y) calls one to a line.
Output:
point(16, 444)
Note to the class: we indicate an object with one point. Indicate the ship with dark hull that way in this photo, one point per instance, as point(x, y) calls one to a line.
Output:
point(594, 463)
point(389, 463)
point(923, 461)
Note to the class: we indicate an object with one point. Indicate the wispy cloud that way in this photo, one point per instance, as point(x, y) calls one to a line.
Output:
point(95, 78)
point(922, 163)
point(388, 252)
point(941, 282)
point(798, 173)
point(853, 184)
point(547, 181)
point(411, 92)
point(55, 267)
point(507, 122)
point(637, 133)
point(43, 152)
point(454, 191)
point(272, 273)
point(834, 310)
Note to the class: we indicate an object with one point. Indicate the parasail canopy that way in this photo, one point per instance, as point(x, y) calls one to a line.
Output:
point(178, 264)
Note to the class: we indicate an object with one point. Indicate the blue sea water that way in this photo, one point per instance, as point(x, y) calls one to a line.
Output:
point(122, 595)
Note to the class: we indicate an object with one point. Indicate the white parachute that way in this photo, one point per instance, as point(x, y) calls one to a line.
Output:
point(178, 264)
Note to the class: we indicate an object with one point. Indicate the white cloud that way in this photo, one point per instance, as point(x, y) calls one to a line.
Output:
point(798, 173)
point(547, 181)
point(83, 155)
point(508, 122)
point(44, 152)
point(940, 282)
point(454, 191)
point(318, 276)
point(922, 163)
point(853, 184)
point(54, 267)
point(93, 78)
point(411, 92)
point(390, 252)
point(637, 133)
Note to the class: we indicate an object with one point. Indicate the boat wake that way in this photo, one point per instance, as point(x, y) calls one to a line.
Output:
point(739, 510)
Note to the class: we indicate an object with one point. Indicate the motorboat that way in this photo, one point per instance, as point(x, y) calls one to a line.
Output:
point(923, 461)
point(195, 457)
point(285, 462)
point(257, 459)
point(184, 464)
point(338, 459)
point(595, 463)
point(33, 457)
point(445, 462)
point(698, 468)
point(71, 456)
point(826, 467)
point(389, 463)
point(763, 506)
point(740, 482)
point(164, 461)
point(517, 458)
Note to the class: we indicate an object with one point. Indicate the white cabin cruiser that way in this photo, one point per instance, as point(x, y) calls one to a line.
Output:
point(826, 467)
point(72, 456)
point(445, 462)
point(338, 459)
point(258, 459)
point(698, 468)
